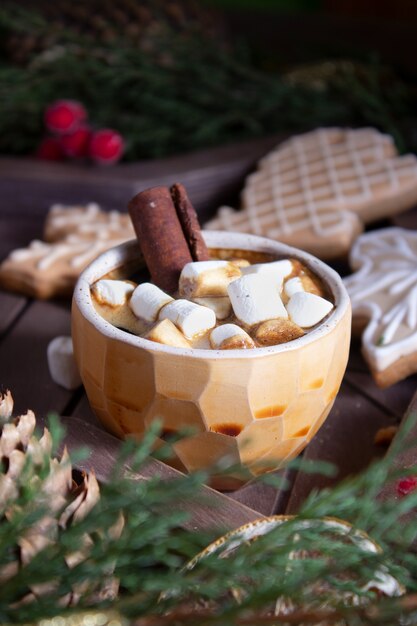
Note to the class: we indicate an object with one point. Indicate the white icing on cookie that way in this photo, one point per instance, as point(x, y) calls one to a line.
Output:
point(66, 215)
point(384, 289)
point(89, 221)
point(74, 236)
point(75, 251)
point(319, 184)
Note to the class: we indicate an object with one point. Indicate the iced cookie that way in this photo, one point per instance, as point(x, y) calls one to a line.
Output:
point(85, 221)
point(45, 270)
point(74, 236)
point(383, 291)
point(315, 191)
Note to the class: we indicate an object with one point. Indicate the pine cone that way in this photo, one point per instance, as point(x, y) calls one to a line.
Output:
point(64, 501)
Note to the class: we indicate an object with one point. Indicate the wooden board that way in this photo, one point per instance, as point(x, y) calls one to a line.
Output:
point(346, 440)
point(11, 306)
point(210, 509)
point(23, 361)
point(26, 327)
point(405, 457)
point(212, 177)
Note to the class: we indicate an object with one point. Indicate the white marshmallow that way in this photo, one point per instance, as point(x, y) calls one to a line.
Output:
point(307, 309)
point(255, 298)
point(221, 306)
point(147, 300)
point(191, 318)
point(194, 269)
point(167, 333)
point(277, 270)
point(292, 286)
point(112, 292)
point(230, 336)
point(207, 278)
point(61, 363)
point(240, 262)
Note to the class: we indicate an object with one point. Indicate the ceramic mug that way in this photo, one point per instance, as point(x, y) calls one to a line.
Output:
point(257, 408)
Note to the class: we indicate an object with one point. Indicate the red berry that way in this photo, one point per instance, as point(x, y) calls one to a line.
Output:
point(50, 150)
point(76, 144)
point(106, 146)
point(406, 485)
point(64, 116)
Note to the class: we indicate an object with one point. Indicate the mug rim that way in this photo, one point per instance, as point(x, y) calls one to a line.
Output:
point(129, 251)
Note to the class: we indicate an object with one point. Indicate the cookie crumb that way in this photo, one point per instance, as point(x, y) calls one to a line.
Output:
point(384, 436)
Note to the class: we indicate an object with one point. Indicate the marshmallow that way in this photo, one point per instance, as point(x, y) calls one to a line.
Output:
point(221, 306)
point(207, 278)
point(273, 332)
point(255, 298)
point(240, 262)
point(147, 300)
point(191, 318)
point(167, 333)
point(230, 337)
point(112, 292)
point(277, 270)
point(292, 286)
point(307, 309)
point(61, 363)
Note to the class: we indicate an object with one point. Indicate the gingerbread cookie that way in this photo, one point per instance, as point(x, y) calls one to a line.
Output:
point(383, 291)
point(316, 190)
point(76, 235)
point(85, 221)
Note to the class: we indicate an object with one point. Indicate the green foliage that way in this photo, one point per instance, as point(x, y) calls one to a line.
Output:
point(150, 555)
point(185, 90)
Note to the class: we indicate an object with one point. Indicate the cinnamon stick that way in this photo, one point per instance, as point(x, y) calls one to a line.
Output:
point(168, 231)
point(189, 223)
point(160, 236)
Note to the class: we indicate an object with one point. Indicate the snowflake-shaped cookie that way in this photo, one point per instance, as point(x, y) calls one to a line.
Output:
point(384, 291)
point(74, 235)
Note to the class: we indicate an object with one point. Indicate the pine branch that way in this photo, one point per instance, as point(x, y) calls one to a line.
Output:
point(148, 557)
point(185, 91)
point(380, 614)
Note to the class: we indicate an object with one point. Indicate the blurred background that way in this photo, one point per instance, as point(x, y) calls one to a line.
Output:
point(174, 76)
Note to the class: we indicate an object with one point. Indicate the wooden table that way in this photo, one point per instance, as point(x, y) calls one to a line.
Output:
point(26, 326)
